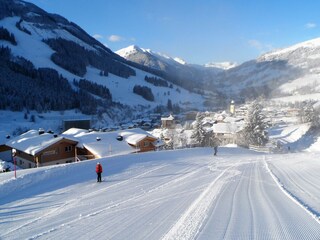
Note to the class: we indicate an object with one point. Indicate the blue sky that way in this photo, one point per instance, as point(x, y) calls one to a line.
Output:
point(199, 31)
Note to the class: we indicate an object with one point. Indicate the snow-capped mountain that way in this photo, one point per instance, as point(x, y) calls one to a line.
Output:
point(192, 76)
point(222, 65)
point(305, 59)
point(292, 71)
point(45, 57)
point(149, 58)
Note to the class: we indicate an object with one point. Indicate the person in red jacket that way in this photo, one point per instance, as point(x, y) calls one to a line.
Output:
point(98, 171)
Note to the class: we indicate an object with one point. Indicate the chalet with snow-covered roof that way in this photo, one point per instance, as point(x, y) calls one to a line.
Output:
point(36, 148)
point(168, 122)
point(140, 139)
point(227, 131)
point(102, 144)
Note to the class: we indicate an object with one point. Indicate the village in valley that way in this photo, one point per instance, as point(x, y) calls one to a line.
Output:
point(79, 142)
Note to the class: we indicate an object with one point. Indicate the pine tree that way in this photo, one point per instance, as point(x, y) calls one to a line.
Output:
point(309, 115)
point(167, 144)
point(255, 129)
point(198, 133)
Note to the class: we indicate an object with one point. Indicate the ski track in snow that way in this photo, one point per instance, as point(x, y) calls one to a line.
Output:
point(251, 207)
point(113, 205)
point(190, 197)
point(78, 199)
point(190, 222)
point(292, 197)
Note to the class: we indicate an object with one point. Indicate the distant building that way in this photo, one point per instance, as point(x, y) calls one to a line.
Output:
point(139, 140)
point(76, 123)
point(227, 131)
point(102, 144)
point(168, 122)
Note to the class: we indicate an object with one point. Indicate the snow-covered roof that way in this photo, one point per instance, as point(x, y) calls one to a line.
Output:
point(133, 136)
point(32, 142)
point(104, 144)
point(225, 128)
point(208, 120)
point(232, 119)
point(167, 118)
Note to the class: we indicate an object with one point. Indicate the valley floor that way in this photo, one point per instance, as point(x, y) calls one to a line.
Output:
point(184, 194)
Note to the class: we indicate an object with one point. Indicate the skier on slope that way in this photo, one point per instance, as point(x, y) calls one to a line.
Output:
point(98, 171)
point(215, 148)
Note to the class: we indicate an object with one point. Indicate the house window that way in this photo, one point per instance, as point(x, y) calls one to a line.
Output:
point(146, 144)
point(68, 149)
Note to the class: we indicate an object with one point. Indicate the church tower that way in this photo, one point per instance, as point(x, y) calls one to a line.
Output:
point(232, 107)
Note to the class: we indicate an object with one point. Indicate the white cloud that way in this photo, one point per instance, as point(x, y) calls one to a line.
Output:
point(255, 43)
point(97, 36)
point(259, 45)
point(115, 38)
point(310, 25)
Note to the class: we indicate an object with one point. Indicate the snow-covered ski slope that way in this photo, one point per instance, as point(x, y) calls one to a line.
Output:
point(182, 194)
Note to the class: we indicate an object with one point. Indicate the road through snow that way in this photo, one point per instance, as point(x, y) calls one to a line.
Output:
point(186, 194)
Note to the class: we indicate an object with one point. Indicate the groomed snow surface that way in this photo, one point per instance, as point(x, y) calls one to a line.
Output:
point(182, 194)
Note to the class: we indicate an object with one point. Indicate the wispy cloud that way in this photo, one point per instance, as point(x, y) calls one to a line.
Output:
point(116, 38)
point(255, 43)
point(97, 36)
point(259, 45)
point(310, 25)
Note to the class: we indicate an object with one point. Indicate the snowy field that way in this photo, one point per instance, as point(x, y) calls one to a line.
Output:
point(183, 194)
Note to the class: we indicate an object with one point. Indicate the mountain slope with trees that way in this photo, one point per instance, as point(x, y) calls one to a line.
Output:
point(49, 63)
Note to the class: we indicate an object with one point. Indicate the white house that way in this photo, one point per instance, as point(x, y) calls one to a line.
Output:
point(92, 144)
point(227, 131)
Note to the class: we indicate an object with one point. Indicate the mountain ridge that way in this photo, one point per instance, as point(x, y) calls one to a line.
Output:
point(65, 51)
point(280, 73)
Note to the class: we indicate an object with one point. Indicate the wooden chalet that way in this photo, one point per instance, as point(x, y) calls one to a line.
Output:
point(35, 149)
point(102, 144)
point(142, 142)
